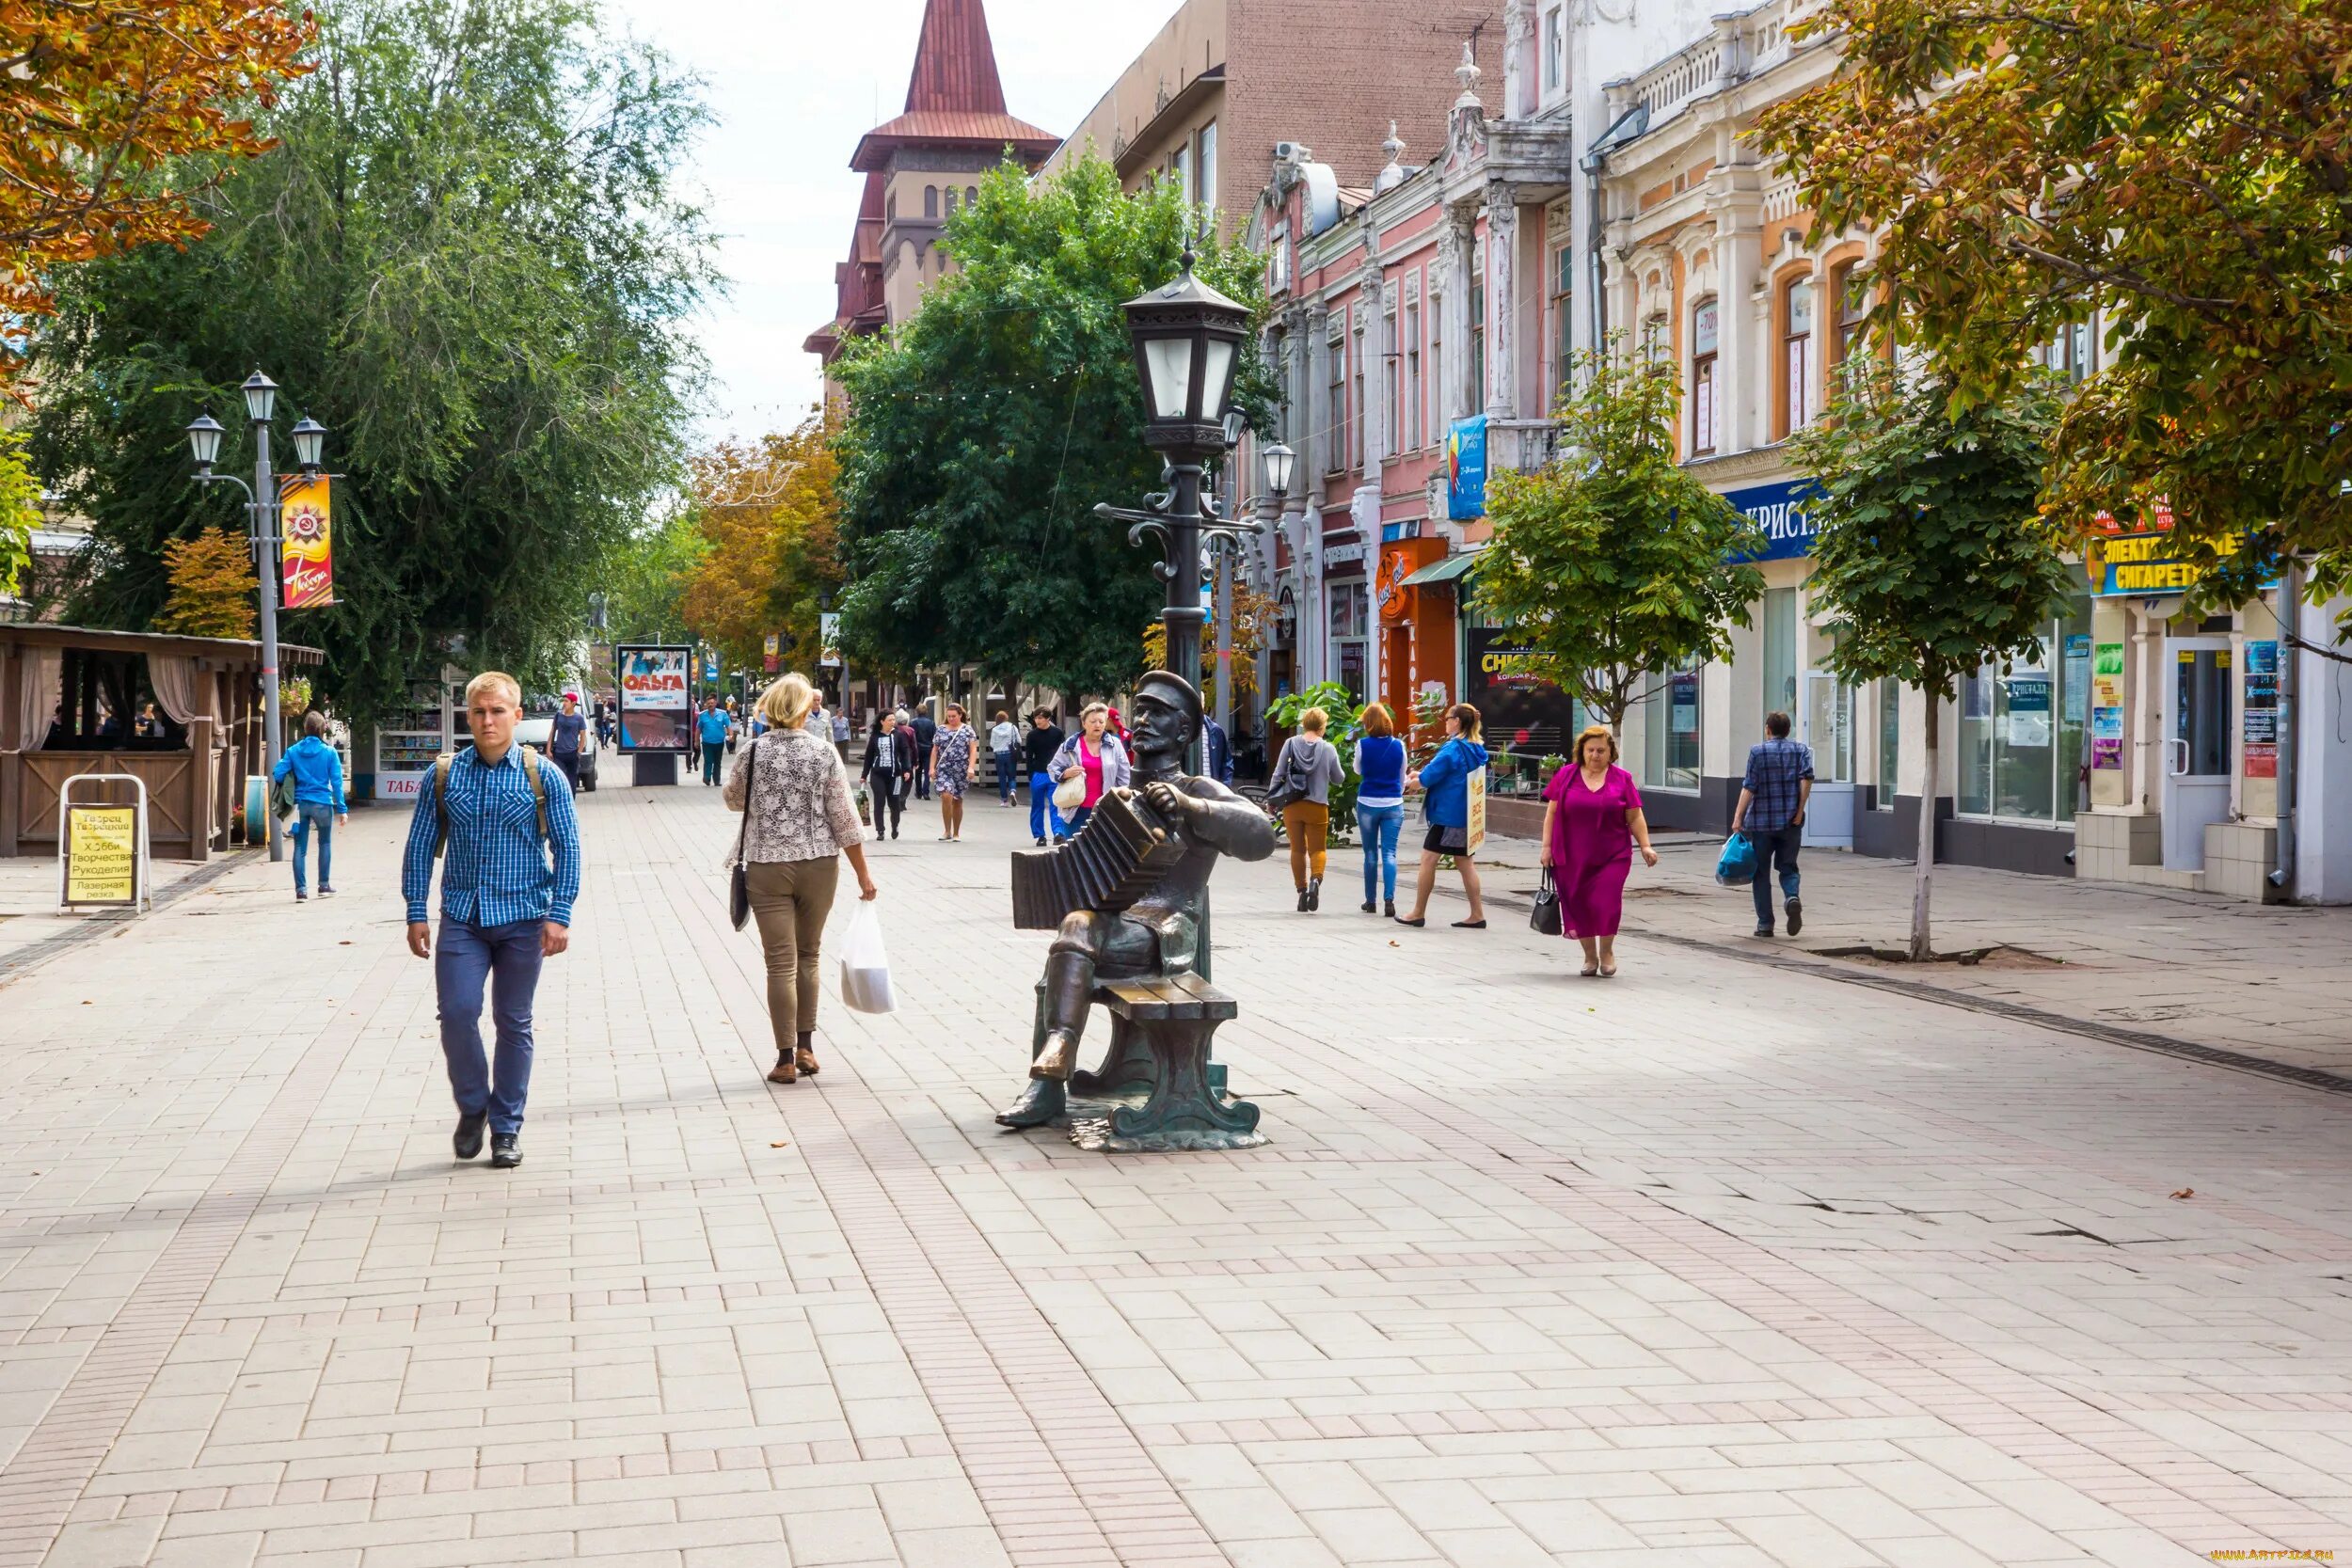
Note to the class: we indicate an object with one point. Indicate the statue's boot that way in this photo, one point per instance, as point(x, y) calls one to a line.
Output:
point(1040, 1102)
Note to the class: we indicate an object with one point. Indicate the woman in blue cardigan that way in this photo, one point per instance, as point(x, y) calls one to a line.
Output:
point(1446, 779)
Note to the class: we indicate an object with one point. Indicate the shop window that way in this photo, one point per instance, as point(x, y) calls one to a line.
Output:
point(1356, 408)
point(2022, 727)
point(930, 201)
point(1335, 419)
point(1409, 438)
point(1351, 626)
point(1670, 730)
point(1890, 741)
point(1852, 288)
point(1477, 329)
point(1206, 166)
point(1563, 319)
point(1796, 352)
point(1703, 334)
point(1780, 652)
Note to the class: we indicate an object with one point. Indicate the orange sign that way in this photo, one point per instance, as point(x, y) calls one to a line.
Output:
point(308, 553)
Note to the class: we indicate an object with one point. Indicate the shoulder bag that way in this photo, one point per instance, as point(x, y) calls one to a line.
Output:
point(739, 882)
point(1287, 785)
point(1544, 917)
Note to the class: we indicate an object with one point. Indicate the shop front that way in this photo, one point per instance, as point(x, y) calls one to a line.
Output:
point(1414, 594)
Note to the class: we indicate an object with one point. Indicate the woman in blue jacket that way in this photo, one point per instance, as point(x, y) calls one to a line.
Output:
point(1446, 779)
point(318, 778)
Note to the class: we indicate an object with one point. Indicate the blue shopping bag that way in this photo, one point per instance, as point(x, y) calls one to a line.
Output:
point(1735, 865)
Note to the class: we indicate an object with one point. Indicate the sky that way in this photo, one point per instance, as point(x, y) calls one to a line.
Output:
point(792, 85)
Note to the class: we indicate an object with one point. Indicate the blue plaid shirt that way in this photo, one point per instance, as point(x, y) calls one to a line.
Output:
point(495, 872)
point(1774, 766)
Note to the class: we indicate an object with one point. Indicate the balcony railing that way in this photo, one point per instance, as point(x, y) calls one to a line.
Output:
point(1740, 46)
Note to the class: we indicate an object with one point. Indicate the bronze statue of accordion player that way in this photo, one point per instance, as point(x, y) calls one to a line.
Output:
point(1127, 906)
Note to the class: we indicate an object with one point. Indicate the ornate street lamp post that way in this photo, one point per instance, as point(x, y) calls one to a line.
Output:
point(263, 513)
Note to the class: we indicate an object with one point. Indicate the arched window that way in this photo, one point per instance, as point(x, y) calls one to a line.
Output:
point(1703, 336)
point(952, 202)
point(930, 201)
point(970, 195)
point(1796, 350)
point(1851, 287)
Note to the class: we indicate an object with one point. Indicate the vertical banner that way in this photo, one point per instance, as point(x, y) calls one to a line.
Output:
point(308, 551)
point(1466, 469)
point(2259, 733)
point(829, 640)
point(771, 652)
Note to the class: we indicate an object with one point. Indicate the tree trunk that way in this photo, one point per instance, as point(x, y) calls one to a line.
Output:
point(1921, 951)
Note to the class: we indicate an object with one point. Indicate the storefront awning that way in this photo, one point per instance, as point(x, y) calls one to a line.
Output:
point(1453, 566)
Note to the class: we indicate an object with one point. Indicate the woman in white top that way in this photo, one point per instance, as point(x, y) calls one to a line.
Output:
point(1004, 739)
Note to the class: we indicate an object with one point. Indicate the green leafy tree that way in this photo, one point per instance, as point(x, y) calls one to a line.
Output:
point(1613, 562)
point(468, 259)
point(645, 583)
point(981, 434)
point(1931, 557)
point(2185, 169)
point(19, 511)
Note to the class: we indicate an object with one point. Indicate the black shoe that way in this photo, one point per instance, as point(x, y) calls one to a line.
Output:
point(1388, 907)
point(1041, 843)
point(1368, 906)
point(468, 1142)
point(1314, 893)
point(1763, 931)
point(1796, 916)
point(300, 897)
point(505, 1152)
point(1302, 900)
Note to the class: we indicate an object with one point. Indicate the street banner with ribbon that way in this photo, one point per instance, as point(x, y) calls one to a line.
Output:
point(308, 552)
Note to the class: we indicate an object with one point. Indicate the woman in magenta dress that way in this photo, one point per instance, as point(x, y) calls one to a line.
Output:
point(1592, 822)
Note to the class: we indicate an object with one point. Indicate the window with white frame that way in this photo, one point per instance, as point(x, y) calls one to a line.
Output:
point(1391, 369)
point(1657, 337)
point(1409, 438)
point(1206, 164)
point(1703, 338)
point(1439, 412)
point(1335, 412)
point(1563, 318)
point(1478, 326)
point(1355, 407)
point(2069, 353)
point(1796, 350)
point(1555, 48)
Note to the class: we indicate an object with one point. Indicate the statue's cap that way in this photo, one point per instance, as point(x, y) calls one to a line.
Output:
point(1174, 689)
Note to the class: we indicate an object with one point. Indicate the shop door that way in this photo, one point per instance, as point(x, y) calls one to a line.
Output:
point(1826, 724)
point(2197, 712)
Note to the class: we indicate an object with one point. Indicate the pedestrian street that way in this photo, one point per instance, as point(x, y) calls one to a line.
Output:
point(1711, 1264)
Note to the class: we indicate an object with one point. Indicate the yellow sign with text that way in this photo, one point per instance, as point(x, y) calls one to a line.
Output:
point(102, 856)
point(1476, 838)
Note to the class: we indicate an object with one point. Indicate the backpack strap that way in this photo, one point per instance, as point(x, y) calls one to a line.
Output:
point(441, 801)
point(531, 763)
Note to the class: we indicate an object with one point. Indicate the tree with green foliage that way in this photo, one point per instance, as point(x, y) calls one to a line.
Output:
point(1931, 556)
point(467, 259)
point(2185, 171)
point(982, 433)
point(1343, 723)
point(19, 511)
point(644, 586)
point(1613, 562)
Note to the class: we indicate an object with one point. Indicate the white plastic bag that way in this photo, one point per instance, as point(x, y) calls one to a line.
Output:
point(864, 968)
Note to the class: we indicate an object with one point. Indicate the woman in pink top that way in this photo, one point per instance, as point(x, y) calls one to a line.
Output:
point(1096, 755)
point(1592, 820)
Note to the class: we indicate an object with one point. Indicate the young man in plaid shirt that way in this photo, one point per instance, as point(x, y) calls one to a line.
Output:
point(504, 906)
point(1771, 806)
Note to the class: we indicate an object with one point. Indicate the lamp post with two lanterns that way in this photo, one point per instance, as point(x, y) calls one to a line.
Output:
point(263, 516)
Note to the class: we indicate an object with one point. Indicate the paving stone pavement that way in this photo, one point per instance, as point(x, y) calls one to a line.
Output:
point(1711, 1264)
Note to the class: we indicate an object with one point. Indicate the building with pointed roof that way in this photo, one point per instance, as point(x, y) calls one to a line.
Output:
point(918, 169)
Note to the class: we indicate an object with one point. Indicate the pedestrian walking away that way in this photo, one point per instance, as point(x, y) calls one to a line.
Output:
point(1773, 797)
point(1038, 750)
point(564, 739)
point(841, 736)
point(797, 822)
point(1093, 756)
point(317, 771)
point(925, 730)
point(1593, 821)
point(502, 825)
point(1004, 739)
point(955, 761)
point(1445, 780)
point(1308, 766)
point(711, 730)
point(1379, 804)
point(889, 770)
point(1217, 751)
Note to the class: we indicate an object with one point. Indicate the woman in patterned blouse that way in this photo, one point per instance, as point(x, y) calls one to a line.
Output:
point(800, 821)
point(955, 761)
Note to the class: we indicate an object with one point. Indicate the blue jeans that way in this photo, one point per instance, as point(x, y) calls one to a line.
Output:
point(508, 957)
point(1041, 806)
point(1004, 777)
point(322, 818)
point(1378, 826)
point(1078, 820)
point(1779, 845)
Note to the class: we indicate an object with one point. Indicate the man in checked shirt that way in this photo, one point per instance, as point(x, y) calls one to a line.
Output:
point(1773, 799)
point(504, 907)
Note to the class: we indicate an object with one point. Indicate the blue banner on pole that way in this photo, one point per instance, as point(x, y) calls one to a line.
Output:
point(1466, 469)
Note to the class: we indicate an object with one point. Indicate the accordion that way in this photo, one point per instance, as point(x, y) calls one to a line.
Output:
point(1118, 856)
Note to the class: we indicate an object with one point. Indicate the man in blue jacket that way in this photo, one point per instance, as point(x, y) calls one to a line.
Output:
point(318, 779)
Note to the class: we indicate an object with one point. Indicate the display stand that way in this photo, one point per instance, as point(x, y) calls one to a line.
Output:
point(408, 739)
point(653, 768)
point(120, 874)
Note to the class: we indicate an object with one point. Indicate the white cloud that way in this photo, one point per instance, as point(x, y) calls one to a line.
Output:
point(792, 85)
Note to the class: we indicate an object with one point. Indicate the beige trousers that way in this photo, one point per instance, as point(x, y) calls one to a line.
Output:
point(790, 900)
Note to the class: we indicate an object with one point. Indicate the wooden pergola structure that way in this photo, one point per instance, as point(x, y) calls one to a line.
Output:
point(74, 700)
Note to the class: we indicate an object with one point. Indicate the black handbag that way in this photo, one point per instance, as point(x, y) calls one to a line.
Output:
point(1545, 916)
point(738, 882)
point(1287, 785)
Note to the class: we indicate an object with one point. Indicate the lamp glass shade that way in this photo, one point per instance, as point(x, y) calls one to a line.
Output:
point(1216, 380)
point(1234, 425)
point(1169, 360)
point(261, 397)
point(1277, 469)
point(204, 434)
point(310, 440)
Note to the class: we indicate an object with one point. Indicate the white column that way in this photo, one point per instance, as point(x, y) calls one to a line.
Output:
point(1739, 386)
point(1376, 347)
point(1503, 246)
point(1456, 251)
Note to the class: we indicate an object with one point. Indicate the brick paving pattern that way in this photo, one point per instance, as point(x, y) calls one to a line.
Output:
point(1711, 1264)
